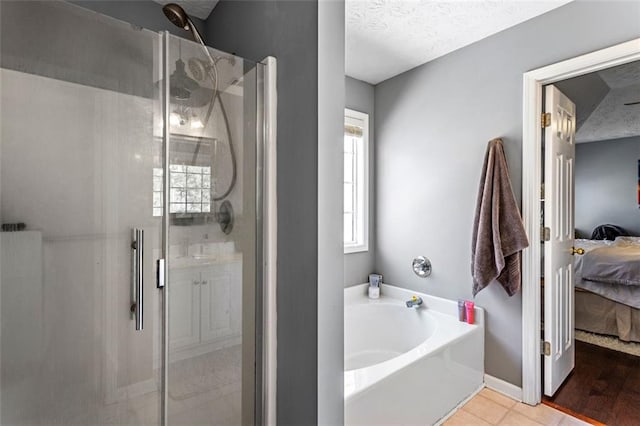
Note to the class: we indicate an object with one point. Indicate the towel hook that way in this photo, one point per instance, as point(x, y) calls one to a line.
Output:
point(421, 266)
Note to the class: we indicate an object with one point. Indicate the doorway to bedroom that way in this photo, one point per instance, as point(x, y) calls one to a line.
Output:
point(591, 192)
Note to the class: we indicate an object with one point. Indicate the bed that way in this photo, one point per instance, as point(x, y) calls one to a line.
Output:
point(607, 298)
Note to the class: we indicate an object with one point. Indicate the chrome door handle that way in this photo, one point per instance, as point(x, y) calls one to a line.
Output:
point(137, 279)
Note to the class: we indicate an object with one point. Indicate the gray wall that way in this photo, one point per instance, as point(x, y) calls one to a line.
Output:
point(607, 185)
point(432, 127)
point(144, 13)
point(331, 95)
point(109, 54)
point(358, 266)
point(586, 91)
point(288, 30)
point(112, 55)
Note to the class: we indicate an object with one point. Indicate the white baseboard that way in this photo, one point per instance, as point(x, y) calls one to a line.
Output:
point(505, 388)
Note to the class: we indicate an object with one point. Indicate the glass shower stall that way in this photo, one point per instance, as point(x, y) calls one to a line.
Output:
point(131, 202)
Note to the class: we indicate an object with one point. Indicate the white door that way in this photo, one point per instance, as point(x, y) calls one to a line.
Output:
point(559, 156)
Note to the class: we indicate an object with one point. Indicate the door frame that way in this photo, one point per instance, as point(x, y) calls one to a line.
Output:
point(269, 185)
point(533, 82)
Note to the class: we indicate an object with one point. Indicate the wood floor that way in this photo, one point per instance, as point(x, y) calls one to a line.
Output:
point(605, 386)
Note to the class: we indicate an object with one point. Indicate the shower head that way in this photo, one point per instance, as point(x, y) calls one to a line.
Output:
point(179, 18)
point(176, 15)
point(181, 85)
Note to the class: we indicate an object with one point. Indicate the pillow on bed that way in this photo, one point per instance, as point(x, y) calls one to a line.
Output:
point(608, 232)
point(615, 264)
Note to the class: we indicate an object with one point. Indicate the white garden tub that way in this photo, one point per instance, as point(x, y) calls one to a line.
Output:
point(407, 365)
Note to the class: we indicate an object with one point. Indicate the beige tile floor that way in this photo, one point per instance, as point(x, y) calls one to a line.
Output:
point(492, 408)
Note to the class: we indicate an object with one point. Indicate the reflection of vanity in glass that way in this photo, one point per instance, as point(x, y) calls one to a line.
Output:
point(206, 271)
point(205, 299)
point(205, 195)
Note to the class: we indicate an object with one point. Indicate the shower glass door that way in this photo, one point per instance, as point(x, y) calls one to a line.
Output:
point(99, 180)
point(212, 236)
point(78, 148)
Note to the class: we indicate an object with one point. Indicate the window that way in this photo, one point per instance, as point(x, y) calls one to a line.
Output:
point(356, 181)
point(189, 189)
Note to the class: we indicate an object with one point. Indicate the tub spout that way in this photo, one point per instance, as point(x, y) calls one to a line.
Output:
point(414, 302)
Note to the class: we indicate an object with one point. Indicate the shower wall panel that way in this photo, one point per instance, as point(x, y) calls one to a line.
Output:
point(75, 160)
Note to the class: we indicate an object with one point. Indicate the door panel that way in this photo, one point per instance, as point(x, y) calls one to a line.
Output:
point(78, 152)
point(212, 155)
point(559, 154)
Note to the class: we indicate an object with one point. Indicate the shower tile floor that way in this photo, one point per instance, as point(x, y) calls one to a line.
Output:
point(203, 390)
point(206, 390)
point(492, 408)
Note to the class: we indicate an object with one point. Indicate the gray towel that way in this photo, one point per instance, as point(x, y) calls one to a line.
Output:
point(498, 232)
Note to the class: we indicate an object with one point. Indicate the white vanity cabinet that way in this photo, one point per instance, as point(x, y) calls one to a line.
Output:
point(204, 307)
point(184, 309)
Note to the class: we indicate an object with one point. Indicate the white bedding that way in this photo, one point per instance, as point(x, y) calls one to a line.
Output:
point(626, 294)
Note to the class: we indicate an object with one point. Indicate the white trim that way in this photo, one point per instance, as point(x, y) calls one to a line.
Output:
point(505, 388)
point(531, 182)
point(270, 221)
point(358, 118)
point(533, 81)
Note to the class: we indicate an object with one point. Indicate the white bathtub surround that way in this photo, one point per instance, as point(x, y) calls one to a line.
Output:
point(408, 365)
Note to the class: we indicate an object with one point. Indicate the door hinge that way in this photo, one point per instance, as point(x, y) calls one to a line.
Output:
point(545, 348)
point(546, 119)
point(545, 233)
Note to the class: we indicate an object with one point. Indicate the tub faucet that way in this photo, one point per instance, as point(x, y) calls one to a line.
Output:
point(414, 302)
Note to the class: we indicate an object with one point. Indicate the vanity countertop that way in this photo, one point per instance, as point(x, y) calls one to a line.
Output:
point(204, 260)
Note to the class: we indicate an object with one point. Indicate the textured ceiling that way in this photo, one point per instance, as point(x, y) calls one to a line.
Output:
point(387, 37)
point(600, 98)
point(612, 119)
point(198, 8)
point(622, 76)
